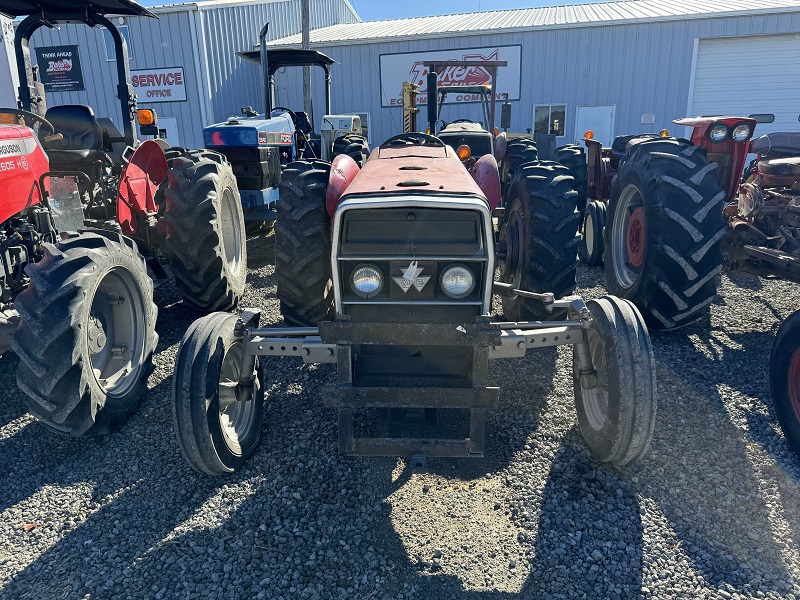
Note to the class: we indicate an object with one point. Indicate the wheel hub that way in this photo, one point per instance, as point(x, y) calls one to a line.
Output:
point(96, 332)
point(636, 237)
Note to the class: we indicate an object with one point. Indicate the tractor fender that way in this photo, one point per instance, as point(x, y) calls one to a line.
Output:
point(486, 175)
point(141, 177)
point(343, 170)
point(500, 146)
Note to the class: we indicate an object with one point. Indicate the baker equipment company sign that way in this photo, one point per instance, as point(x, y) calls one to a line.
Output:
point(397, 68)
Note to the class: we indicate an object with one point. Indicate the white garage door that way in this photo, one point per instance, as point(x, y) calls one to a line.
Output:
point(742, 76)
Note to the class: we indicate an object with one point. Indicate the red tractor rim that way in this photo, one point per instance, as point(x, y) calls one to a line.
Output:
point(635, 237)
point(793, 382)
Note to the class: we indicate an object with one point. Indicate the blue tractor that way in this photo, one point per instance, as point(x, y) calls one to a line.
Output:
point(258, 146)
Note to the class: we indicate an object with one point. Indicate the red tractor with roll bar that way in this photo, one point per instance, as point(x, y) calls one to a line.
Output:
point(396, 290)
point(87, 209)
point(678, 213)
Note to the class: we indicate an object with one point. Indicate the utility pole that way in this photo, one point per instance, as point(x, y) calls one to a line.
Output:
point(305, 21)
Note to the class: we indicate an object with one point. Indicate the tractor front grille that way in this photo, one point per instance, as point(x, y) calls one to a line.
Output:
point(392, 239)
point(254, 168)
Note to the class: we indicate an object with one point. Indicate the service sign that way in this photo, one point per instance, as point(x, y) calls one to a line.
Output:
point(159, 85)
point(397, 68)
point(60, 68)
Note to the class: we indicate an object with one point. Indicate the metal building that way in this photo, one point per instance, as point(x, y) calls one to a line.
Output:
point(615, 67)
point(183, 64)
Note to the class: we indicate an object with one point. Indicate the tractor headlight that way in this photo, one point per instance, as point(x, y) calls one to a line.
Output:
point(366, 280)
point(741, 133)
point(718, 133)
point(457, 281)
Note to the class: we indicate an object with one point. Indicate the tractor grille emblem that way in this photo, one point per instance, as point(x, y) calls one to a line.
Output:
point(412, 276)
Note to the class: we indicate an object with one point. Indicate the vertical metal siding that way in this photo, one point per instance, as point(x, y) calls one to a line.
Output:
point(639, 67)
point(204, 43)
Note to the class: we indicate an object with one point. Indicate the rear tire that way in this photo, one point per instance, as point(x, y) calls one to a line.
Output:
point(594, 221)
point(216, 433)
point(204, 231)
point(573, 157)
point(617, 417)
point(355, 146)
point(784, 376)
point(87, 333)
point(520, 152)
point(539, 238)
point(663, 232)
point(253, 228)
point(303, 245)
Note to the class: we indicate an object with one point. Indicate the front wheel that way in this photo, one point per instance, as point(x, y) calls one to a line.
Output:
point(594, 221)
point(216, 431)
point(618, 415)
point(784, 376)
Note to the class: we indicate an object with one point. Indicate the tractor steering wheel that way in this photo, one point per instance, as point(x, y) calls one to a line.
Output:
point(33, 117)
point(413, 138)
point(284, 109)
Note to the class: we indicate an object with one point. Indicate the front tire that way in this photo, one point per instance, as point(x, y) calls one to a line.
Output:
point(663, 232)
point(617, 417)
point(216, 432)
point(594, 221)
point(303, 245)
point(539, 238)
point(204, 231)
point(784, 377)
point(87, 333)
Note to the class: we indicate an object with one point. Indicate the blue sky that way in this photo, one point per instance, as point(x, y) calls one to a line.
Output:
point(371, 10)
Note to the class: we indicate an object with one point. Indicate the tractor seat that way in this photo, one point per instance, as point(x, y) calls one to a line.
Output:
point(780, 167)
point(777, 144)
point(82, 140)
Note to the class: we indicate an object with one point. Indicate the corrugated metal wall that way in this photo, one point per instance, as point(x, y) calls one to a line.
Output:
point(640, 68)
point(203, 42)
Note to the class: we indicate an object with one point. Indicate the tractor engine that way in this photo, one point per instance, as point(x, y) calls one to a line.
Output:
point(20, 244)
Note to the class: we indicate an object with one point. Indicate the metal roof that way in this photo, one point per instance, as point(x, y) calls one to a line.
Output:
point(550, 17)
point(19, 8)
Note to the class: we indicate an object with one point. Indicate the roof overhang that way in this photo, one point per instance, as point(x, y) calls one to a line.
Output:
point(18, 8)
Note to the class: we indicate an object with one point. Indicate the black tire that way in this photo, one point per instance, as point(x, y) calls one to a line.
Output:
point(573, 157)
point(617, 422)
point(518, 153)
point(594, 221)
point(784, 377)
point(539, 238)
point(88, 288)
point(669, 269)
point(355, 146)
point(258, 227)
point(303, 245)
point(209, 441)
point(204, 231)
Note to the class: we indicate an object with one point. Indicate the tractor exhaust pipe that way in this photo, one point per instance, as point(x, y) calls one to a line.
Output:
point(262, 40)
point(433, 92)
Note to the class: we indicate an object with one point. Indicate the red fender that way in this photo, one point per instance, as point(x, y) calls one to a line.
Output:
point(486, 175)
point(140, 179)
point(500, 146)
point(343, 170)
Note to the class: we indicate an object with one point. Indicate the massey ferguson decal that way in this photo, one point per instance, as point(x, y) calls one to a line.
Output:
point(60, 68)
point(397, 68)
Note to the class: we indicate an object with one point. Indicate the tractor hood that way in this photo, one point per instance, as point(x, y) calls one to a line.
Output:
point(417, 170)
point(250, 132)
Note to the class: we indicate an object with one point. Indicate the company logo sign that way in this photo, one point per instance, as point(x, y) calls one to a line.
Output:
point(397, 68)
point(59, 66)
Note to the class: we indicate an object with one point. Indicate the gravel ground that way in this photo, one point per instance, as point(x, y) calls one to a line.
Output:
point(713, 511)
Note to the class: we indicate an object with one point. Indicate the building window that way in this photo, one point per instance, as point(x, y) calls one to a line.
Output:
point(549, 118)
point(110, 52)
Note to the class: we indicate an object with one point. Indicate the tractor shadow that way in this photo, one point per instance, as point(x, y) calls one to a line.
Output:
point(701, 473)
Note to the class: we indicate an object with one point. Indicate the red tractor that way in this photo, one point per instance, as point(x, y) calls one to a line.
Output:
point(86, 210)
point(395, 288)
point(678, 213)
